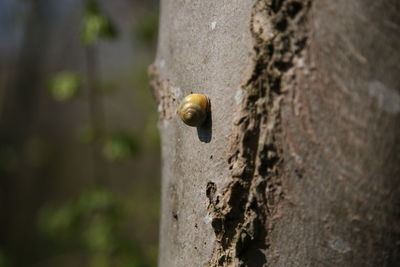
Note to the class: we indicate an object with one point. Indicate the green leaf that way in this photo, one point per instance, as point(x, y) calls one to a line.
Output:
point(96, 25)
point(58, 223)
point(94, 200)
point(99, 236)
point(120, 147)
point(65, 85)
point(94, 222)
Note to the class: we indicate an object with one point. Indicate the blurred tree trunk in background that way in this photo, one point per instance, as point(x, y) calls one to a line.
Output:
point(17, 124)
point(300, 163)
point(46, 133)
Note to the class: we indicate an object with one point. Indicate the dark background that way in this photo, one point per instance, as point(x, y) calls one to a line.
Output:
point(79, 146)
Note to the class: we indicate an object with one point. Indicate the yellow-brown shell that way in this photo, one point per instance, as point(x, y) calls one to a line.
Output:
point(193, 109)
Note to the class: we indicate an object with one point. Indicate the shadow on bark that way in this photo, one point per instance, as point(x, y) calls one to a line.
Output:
point(204, 132)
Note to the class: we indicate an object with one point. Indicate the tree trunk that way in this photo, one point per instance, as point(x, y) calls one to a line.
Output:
point(299, 164)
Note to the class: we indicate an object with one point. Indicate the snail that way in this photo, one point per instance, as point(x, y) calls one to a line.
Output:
point(194, 109)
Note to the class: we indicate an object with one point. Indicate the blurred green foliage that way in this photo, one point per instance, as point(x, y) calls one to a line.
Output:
point(120, 146)
point(3, 260)
point(146, 30)
point(65, 85)
point(8, 159)
point(141, 81)
point(37, 151)
point(151, 131)
point(96, 25)
point(94, 223)
point(87, 134)
point(149, 135)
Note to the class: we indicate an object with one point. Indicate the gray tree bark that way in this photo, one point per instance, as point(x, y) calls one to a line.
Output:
point(299, 164)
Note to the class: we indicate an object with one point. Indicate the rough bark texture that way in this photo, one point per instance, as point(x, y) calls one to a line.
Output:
point(299, 164)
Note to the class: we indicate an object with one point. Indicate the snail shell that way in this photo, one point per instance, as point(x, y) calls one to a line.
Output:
point(194, 109)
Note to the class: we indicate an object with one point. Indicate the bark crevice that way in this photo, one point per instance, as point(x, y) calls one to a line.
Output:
point(243, 213)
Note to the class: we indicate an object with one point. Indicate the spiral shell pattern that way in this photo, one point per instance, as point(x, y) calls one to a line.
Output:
point(193, 109)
